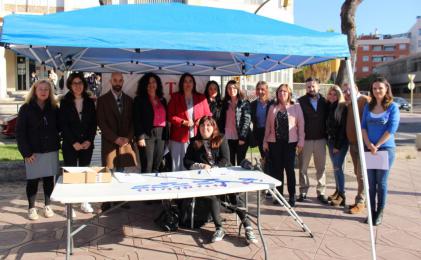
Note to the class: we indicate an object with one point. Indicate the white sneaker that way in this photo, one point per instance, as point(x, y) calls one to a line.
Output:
point(86, 207)
point(73, 212)
point(33, 214)
point(48, 212)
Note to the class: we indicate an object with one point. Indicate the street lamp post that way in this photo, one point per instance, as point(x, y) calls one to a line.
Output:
point(411, 86)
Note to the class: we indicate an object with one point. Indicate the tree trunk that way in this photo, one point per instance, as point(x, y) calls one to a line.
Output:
point(348, 9)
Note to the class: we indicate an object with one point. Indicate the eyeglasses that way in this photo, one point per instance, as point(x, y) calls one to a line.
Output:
point(77, 83)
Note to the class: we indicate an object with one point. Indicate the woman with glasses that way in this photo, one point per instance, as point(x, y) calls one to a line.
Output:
point(78, 121)
point(37, 136)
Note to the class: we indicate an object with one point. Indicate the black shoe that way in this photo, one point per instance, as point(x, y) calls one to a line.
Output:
point(322, 198)
point(105, 206)
point(302, 197)
point(126, 206)
point(379, 217)
point(373, 218)
point(291, 202)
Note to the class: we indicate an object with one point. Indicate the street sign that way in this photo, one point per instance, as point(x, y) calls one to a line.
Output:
point(411, 85)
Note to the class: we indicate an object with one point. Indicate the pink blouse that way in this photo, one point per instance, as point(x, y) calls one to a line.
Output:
point(159, 114)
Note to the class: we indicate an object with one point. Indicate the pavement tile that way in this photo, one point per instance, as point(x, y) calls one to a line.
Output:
point(131, 234)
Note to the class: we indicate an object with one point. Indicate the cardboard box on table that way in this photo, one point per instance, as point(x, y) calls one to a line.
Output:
point(77, 175)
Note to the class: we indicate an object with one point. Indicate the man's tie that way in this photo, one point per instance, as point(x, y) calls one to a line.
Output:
point(119, 105)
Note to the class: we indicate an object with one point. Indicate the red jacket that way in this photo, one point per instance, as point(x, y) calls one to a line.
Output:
point(177, 112)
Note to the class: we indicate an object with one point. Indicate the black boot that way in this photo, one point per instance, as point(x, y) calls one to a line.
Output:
point(373, 217)
point(379, 217)
point(291, 200)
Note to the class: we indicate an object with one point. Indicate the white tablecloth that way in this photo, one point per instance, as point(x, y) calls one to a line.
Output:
point(171, 185)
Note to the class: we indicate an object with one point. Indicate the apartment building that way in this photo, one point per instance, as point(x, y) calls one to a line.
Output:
point(377, 49)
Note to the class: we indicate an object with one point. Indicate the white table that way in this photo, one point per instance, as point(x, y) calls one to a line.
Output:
point(171, 185)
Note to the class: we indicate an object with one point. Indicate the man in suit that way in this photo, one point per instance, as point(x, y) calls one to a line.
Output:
point(314, 108)
point(114, 114)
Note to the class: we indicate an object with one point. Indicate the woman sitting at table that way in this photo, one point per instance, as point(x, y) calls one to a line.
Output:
point(209, 149)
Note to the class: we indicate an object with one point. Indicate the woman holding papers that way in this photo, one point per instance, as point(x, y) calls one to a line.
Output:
point(78, 121)
point(337, 143)
point(185, 109)
point(379, 123)
point(284, 137)
point(37, 136)
point(149, 119)
point(206, 150)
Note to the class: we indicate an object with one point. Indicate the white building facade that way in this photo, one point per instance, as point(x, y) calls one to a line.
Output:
point(415, 36)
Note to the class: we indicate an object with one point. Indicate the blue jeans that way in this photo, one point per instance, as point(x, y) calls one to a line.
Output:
point(377, 181)
point(338, 165)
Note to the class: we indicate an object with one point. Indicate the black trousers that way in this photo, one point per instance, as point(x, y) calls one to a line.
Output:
point(151, 155)
point(282, 157)
point(237, 152)
point(71, 157)
point(32, 189)
point(259, 135)
point(215, 209)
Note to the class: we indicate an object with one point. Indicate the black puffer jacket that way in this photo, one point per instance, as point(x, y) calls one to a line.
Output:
point(336, 130)
point(242, 119)
point(37, 130)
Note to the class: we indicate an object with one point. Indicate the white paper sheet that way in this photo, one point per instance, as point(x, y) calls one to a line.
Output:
point(129, 177)
point(78, 169)
point(379, 161)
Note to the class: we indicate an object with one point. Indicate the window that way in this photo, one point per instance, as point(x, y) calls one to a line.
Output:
point(402, 46)
point(366, 48)
point(419, 32)
point(365, 58)
point(388, 58)
point(377, 48)
point(419, 43)
point(366, 69)
point(376, 59)
point(389, 48)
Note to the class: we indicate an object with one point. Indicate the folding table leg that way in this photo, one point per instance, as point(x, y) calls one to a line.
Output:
point(259, 227)
point(69, 230)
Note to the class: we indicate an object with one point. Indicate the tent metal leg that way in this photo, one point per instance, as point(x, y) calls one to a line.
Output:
point(361, 152)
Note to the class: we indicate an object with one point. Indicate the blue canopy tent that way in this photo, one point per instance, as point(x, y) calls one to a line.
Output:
point(168, 39)
point(173, 39)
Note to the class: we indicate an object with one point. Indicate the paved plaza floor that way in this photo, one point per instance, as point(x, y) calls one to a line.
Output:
point(131, 233)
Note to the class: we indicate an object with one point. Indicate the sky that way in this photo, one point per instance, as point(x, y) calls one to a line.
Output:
point(388, 16)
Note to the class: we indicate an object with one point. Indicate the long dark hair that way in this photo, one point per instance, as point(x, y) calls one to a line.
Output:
point(388, 98)
point(215, 139)
point(142, 85)
point(240, 94)
point(74, 76)
point(218, 91)
point(181, 83)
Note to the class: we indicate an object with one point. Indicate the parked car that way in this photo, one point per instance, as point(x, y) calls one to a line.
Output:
point(8, 126)
point(403, 103)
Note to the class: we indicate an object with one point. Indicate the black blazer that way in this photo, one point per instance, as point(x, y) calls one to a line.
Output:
point(242, 119)
point(221, 155)
point(75, 129)
point(143, 116)
point(37, 131)
point(315, 121)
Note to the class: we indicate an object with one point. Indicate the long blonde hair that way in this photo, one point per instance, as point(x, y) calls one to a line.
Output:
point(341, 102)
point(51, 98)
